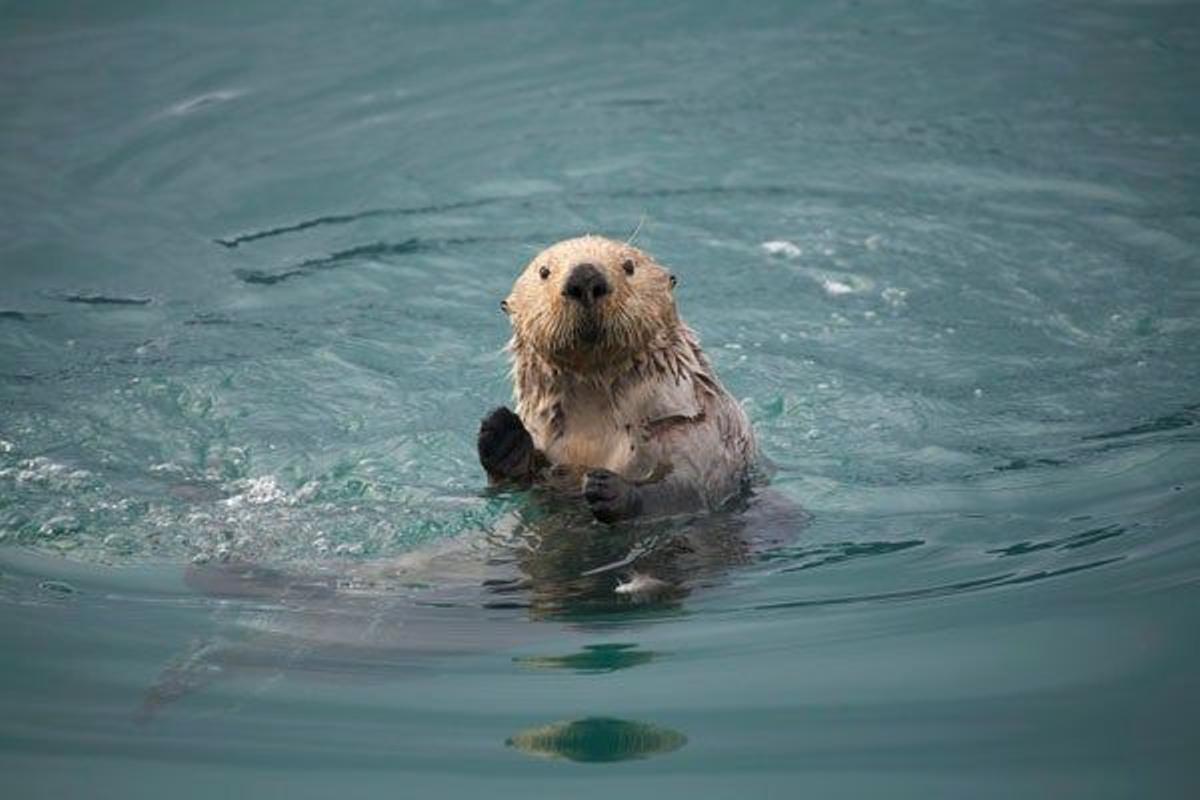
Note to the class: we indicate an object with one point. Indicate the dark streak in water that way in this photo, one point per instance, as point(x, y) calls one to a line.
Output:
point(505, 605)
point(374, 250)
point(266, 278)
point(18, 316)
point(1018, 464)
point(410, 245)
point(1055, 573)
point(343, 219)
point(330, 261)
point(208, 319)
point(1185, 418)
point(104, 300)
point(1072, 542)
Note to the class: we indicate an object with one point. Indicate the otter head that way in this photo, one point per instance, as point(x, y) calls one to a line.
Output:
point(586, 303)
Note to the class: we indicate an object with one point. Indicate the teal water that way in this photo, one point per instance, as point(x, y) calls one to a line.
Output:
point(252, 257)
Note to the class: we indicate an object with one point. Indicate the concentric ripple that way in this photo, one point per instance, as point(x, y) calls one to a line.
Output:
point(252, 261)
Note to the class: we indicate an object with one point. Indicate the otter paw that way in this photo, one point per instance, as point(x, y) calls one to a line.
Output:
point(609, 496)
point(505, 448)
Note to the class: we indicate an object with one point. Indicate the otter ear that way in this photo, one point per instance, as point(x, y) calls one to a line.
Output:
point(504, 307)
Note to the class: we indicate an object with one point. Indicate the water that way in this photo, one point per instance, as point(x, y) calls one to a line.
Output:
point(946, 252)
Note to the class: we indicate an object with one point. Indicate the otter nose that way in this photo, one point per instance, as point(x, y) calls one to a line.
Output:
point(585, 284)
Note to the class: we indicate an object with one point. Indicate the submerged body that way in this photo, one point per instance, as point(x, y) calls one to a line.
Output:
point(614, 395)
point(472, 594)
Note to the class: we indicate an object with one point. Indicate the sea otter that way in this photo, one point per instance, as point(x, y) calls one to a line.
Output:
point(613, 393)
point(614, 399)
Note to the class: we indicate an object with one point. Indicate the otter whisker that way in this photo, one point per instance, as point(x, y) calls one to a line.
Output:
point(636, 230)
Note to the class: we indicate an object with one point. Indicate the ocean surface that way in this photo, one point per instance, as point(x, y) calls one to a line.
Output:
point(251, 255)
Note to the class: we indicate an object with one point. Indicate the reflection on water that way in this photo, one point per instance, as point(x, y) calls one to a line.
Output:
point(597, 739)
point(593, 658)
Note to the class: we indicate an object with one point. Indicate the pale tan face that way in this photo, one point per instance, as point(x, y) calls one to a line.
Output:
point(588, 300)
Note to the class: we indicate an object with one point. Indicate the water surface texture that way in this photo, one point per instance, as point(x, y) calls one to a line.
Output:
point(946, 253)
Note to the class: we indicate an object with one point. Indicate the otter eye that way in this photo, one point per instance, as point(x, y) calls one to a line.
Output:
point(544, 272)
point(628, 266)
point(504, 306)
point(674, 281)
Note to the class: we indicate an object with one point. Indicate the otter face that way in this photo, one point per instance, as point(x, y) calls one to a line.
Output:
point(584, 302)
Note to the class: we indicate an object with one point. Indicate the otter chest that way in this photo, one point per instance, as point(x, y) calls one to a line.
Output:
point(620, 433)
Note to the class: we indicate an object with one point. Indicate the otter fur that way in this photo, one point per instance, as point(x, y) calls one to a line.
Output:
point(614, 396)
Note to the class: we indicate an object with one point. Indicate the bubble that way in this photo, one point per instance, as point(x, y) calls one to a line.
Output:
point(61, 525)
point(257, 492)
point(894, 296)
point(835, 287)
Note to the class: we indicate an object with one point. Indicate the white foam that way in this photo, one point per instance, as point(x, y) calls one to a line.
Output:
point(306, 492)
point(257, 492)
point(202, 100)
point(59, 525)
point(781, 247)
point(642, 587)
point(41, 470)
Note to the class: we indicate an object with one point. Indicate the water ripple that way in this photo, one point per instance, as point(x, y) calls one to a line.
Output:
point(941, 590)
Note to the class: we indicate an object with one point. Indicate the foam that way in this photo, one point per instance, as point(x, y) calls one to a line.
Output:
point(781, 247)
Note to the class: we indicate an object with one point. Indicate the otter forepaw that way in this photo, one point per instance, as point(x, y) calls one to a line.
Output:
point(609, 496)
point(506, 449)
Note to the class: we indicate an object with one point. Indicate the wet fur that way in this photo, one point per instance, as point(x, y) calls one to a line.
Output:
point(625, 389)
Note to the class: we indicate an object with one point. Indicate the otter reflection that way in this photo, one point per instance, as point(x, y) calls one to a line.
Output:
point(597, 739)
point(557, 563)
point(566, 566)
point(593, 658)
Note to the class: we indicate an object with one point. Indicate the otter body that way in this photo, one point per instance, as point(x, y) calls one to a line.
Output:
point(614, 400)
point(614, 395)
